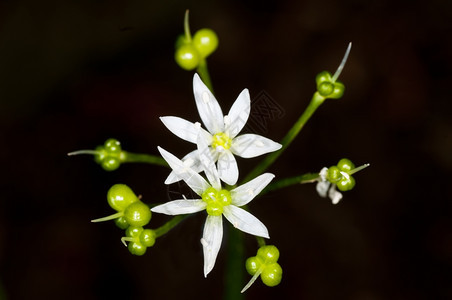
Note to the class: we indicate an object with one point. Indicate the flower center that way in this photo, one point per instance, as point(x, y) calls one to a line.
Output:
point(216, 200)
point(221, 142)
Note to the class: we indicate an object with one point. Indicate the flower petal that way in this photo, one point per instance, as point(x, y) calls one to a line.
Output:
point(322, 188)
point(182, 128)
point(243, 194)
point(191, 178)
point(252, 145)
point(191, 160)
point(245, 221)
point(211, 241)
point(227, 168)
point(208, 107)
point(180, 207)
point(208, 159)
point(334, 195)
point(238, 114)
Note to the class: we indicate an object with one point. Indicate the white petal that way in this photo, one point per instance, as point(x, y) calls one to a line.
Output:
point(245, 221)
point(252, 145)
point(334, 195)
point(322, 188)
point(227, 168)
point(182, 128)
point(246, 192)
point(191, 160)
point(180, 207)
point(208, 107)
point(211, 241)
point(191, 178)
point(323, 173)
point(238, 114)
point(208, 158)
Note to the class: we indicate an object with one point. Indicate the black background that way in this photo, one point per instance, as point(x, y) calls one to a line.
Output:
point(74, 73)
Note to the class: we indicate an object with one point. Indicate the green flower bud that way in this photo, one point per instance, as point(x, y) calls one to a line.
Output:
point(120, 196)
point(187, 57)
point(268, 254)
point(137, 214)
point(272, 275)
point(205, 41)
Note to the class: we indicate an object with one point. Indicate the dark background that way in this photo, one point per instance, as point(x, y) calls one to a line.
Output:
point(74, 73)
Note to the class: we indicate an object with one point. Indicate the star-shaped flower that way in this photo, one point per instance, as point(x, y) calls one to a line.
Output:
point(217, 202)
point(221, 137)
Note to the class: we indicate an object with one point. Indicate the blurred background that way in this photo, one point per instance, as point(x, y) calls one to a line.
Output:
point(74, 73)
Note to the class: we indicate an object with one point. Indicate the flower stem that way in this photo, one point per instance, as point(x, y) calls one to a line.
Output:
point(282, 183)
point(169, 225)
point(260, 241)
point(316, 101)
point(204, 73)
point(144, 158)
point(235, 267)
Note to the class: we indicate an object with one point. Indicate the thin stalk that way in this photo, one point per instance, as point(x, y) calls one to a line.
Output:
point(144, 158)
point(316, 101)
point(204, 73)
point(169, 225)
point(282, 183)
point(235, 265)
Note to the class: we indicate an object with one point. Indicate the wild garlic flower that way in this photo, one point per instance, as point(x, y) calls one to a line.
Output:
point(221, 135)
point(217, 202)
point(325, 187)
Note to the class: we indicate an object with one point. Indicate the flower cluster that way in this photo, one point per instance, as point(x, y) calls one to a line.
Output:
point(211, 169)
point(214, 156)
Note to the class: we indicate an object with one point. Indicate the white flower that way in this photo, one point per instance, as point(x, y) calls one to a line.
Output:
point(217, 202)
point(324, 186)
point(221, 137)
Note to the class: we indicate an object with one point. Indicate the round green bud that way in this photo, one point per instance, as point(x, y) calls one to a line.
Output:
point(272, 275)
point(121, 222)
point(253, 264)
point(346, 183)
point(110, 163)
point(180, 41)
point(322, 77)
point(137, 214)
point(334, 174)
point(345, 165)
point(269, 254)
point(147, 237)
point(205, 41)
point(101, 154)
point(187, 57)
point(338, 92)
point(112, 146)
point(120, 196)
point(325, 89)
point(137, 248)
point(134, 231)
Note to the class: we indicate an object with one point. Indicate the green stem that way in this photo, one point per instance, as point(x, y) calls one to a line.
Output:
point(169, 225)
point(316, 101)
point(204, 73)
point(143, 158)
point(282, 183)
point(234, 279)
point(260, 241)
